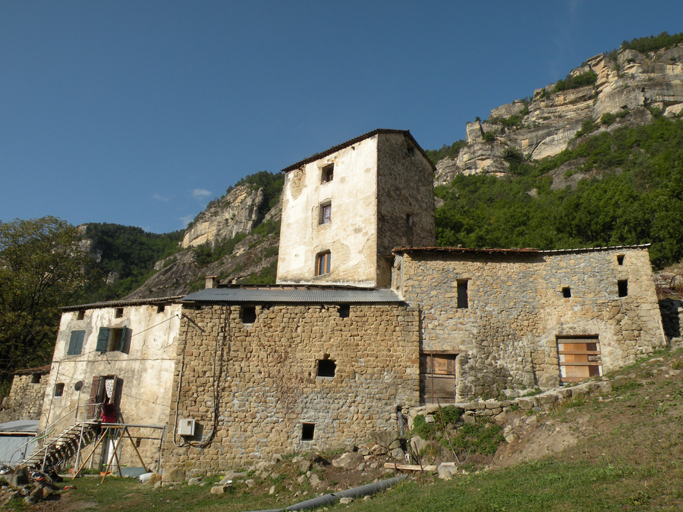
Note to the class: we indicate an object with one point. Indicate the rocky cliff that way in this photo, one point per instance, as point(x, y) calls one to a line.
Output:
point(626, 85)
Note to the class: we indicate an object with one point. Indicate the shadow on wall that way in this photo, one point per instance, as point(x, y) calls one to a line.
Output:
point(671, 317)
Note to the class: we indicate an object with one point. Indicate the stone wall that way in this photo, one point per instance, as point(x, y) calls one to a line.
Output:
point(25, 398)
point(507, 336)
point(405, 187)
point(251, 387)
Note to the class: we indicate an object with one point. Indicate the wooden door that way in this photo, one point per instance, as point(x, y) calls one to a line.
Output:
point(437, 378)
point(579, 358)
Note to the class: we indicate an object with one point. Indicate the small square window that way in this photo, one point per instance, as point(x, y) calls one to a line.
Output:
point(307, 431)
point(248, 314)
point(325, 213)
point(59, 389)
point(410, 150)
point(323, 263)
point(463, 300)
point(327, 173)
point(118, 313)
point(35, 378)
point(326, 367)
point(81, 314)
point(623, 288)
point(161, 308)
point(344, 310)
point(620, 259)
point(566, 292)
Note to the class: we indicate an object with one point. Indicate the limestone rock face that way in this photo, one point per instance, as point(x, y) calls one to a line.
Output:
point(236, 212)
point(633, 82)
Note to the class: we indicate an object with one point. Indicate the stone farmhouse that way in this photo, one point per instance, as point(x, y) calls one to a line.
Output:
point(367, 320)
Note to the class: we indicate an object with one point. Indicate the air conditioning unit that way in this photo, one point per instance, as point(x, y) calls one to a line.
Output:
point(186, 427)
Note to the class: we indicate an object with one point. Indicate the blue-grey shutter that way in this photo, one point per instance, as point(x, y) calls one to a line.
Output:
point(122, 344)
point(75, 343)
point(102, 338)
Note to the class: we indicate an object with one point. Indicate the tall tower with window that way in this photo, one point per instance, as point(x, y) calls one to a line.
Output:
point(345, 209)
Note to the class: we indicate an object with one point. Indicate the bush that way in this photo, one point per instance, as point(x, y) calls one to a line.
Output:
point(574, 82)
point(652, 43)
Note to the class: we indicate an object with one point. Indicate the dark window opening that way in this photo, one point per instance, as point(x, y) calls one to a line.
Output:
point(326, 368)
point(81, 315)
point(409, 220)
point(35, 378)
point(623, 288)
point(112, 340)
point(307, 431)
point(620, 259)
point(327, 173)
point(119, 313)
point(410, 150)
point(566, 292)
point(248, 314)
point(344, 310)
point(463, 301)
point(59, 389)
point(322, 263)
point(161, 308)
point(325, 213)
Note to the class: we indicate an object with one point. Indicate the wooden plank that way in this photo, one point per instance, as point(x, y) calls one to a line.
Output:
point(582, 363)
point(581, 352)
point(409, 467)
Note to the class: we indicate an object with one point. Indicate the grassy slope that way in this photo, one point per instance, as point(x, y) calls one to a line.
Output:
point(627, 455)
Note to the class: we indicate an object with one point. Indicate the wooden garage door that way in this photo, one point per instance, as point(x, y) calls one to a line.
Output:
point(437, 378)
point(579, 358)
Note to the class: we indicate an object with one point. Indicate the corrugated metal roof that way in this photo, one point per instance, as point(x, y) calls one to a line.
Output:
point(528, 250)
point(119, 303)
point(285, 295)
point(348, 143)
point(20, 426)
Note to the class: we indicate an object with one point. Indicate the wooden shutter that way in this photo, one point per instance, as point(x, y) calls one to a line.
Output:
point(94, 394)
point(579, 358)
point(75, 343)
point(122, 343)
point(102, 338)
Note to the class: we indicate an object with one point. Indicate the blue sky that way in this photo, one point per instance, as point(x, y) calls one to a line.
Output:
point(140, 112)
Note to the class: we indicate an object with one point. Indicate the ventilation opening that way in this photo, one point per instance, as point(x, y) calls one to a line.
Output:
point(118, 313)
point(623, 288)
point(35, 378)
point(307, 431)
point(409, 220)
point(566, 292)
point(248, 314)
point(326, 367)
point(59, 389)
point(463, 301)
point(81, 315)
point(620, 259)
point(161, 308)
point(344, 310)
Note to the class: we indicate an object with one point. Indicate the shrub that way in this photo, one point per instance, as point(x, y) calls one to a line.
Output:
point(574, 82)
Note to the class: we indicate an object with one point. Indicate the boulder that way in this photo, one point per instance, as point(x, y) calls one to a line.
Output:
point(349, 460)
point(447, 470)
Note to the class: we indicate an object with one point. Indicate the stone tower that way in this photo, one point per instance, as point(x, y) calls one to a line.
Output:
point(345, 209)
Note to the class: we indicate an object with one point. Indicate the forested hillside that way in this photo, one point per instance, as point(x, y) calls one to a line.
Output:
point(624, 187)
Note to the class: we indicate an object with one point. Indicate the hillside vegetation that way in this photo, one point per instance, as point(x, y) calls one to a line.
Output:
point(631, 193)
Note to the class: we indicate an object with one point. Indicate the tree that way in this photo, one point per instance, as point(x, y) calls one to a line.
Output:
point(42, 267)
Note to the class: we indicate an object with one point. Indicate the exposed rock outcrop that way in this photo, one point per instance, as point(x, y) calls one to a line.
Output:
point(548, 123)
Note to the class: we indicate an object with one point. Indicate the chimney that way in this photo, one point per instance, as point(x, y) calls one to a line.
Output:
point(211, 282)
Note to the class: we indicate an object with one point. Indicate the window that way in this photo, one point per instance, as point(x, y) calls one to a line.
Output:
point(566, 292)
point(75, 343)
point(322, 263)
point(118, 313)
point(112, 340)
point(327, 174)
point(463, 302)
point(325, 213)
point(623, 288)
point(80, 315)
point(620, 259)
point(409, 220)
point(579, 357)
point(326, 367)
point(161, 308)
point(344, 310)
point(410, 150)
point(307, 431)
point(248, 314)
point(59, 389)
point(35, 378)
